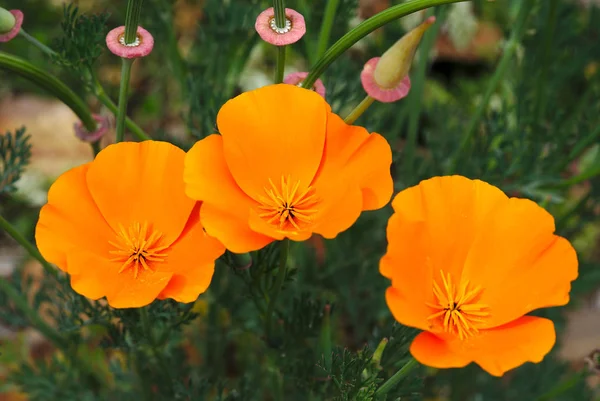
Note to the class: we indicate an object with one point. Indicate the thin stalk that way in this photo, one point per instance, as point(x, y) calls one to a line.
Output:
point(365, 28)
point(396, 378)
point(359, 110)
point(29, 247)
point(326, 26)
point(280, 64)
point(52, 85)
point(132, 20)
point(509, 51)
point(135, 129)
point(285, 248)
point(415, 101)
point(280, 19)
point(145, 318)
point(45, 49)
point(550, 27)
point(123, 90)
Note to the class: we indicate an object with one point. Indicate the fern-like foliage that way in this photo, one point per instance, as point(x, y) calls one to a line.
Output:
point(15, 152)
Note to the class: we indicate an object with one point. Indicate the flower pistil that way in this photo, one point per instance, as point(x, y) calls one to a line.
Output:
point(457, 307)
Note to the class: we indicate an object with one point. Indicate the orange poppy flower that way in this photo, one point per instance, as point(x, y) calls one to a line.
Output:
point(467, 264)
point(123, 228)
point(285, 166)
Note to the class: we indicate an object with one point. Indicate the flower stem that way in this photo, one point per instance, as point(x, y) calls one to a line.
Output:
point(415, 102)
point(109, 104)
point(326, 26)
point(29, 247)
point(285, 248)
point(396, 378)
point(550, 28)
point(365, 28)
point(123, 90)
point(52, 85)
point(132, 20)
point(509, 51)
point(45, 49)
point(147, 327)
point(359, 110)
point(280, 19)
point(280, 64)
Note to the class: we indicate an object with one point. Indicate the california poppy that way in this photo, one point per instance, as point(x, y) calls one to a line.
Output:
point(467, 264)
point(123, 228)
point(285, 166)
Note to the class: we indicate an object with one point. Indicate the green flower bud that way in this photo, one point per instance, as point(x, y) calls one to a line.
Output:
point(7, 20)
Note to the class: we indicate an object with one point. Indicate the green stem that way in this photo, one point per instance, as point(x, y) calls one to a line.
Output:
point(109, 104)
point(45, 49)
point(52, 85)
point(280, 19)
point(563, 386)
point(359, 110)
point(132, 20)
point(365, 28)
point(396, 378)
point(123, 90)
point(280, 64)
point(29, 247)
point(415, 101)
point(145, 318)
point(285, 248)
point(509, 51)
point(326, 26)
point(540, 109)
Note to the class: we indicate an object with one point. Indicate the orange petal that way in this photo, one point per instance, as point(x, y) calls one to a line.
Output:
point(405, 310)
point(451, 209)
point(99, 277)
point(498, 350)
point(275, 131)
point(340, 209)
point(432, 351)
point(226, 208)
point(527, 339)
point(362, 157)
point(192, 260)
point(71, 220)
point(141, 182)
point(520, 263)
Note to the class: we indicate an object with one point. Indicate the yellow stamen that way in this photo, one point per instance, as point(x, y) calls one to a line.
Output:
point(289, 207)
point(457, 304)
point(138, 247)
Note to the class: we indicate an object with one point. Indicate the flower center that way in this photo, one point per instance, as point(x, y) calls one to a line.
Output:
point(138, 247)
point(457, 308)
point(135, 43)
point(287, 206)
point(285, 29)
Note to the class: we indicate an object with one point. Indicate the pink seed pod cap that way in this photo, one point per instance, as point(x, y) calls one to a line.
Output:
point(296, 78)
point(294, 29)
point(115, 40)
point(84, 135)
point(383, 95)
point(18, 21)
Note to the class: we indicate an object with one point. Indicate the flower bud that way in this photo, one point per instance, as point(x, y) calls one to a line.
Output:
point(7, 21)
point(10, 24)
point(395, 63)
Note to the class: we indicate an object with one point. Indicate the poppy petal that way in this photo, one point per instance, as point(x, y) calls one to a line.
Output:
point(191, 259)
point(225, 209)
point(340, 211)
point(527, 339)
point(273, 132)
point(432, 351)
point(452, 208)
point(149, 183)
point(518, 254)
point(365, 158)
point(121, 290)
point(71, 219)
point(405, 310)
